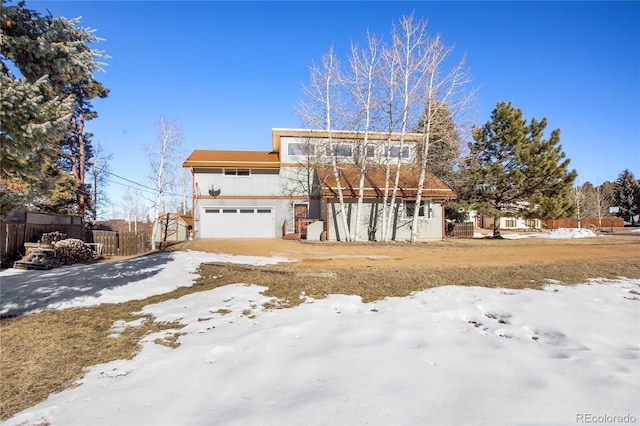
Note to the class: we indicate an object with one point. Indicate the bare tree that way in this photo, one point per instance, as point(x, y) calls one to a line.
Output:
point(98, 173)
point(185, 190)
point(365, 69)
point(134, 208)
point(387, 88)
point(445, 89)
point(163, 157)
point(320, 110)
point(406, 76)
point(602, 198)
point(579, 196)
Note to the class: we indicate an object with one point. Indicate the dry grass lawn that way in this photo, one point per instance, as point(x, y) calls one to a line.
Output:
point(46, 352)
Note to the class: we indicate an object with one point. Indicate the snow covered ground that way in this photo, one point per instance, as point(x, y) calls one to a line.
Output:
point(449, 355)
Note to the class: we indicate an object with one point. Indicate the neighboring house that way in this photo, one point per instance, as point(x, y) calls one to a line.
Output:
point(173, 227)
point(511, 223)
point(291, 190)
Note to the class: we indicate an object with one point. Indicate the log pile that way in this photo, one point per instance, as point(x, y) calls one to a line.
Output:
point(72, 250)
point(51, 238)
point(55, 249)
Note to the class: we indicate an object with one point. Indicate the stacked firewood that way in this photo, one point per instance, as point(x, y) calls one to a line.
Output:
point(55, 249)
point(52, 237)
point(71, 250)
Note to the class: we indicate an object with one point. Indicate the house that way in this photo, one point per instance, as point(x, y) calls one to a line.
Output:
point(508, 223)
point(173, 227)
point(291, 189)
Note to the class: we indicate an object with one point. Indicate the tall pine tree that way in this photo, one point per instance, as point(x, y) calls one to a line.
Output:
point(514, 171)
point(626, 196)
point(56, 67)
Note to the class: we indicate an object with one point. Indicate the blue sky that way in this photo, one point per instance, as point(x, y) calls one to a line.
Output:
point(229, 72)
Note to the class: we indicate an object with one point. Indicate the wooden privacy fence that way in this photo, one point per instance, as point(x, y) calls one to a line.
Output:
point(461, 230)
point(28, 227)
point(125, 243)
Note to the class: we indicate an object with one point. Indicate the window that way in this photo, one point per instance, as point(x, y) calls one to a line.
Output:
point(340, 150)
point(509, 223)
point(300, 149)
point(531, 223)
point(237, 172)
point(425, 211)
point(394, 151)
point(371, 151)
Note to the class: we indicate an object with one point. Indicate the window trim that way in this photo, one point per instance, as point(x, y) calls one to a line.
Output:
point(302, 149)
point(425, 206)
point(232, 171)
point(389, 151)
point(335, 150)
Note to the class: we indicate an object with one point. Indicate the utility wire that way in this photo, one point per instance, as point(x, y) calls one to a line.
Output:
point(138, 184)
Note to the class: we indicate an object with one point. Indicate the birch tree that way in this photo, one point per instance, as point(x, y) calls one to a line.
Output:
point(387, 88)
point(365, 68)
point(446, 90)
point(406, 77)
point(322, 110)
point(163, 160)
point(579, 195)
point(601, 197)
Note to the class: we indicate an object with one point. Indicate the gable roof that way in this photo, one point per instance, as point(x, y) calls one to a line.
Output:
point(228, 158)
point(433, 187)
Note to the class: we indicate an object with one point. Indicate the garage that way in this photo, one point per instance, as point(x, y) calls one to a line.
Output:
point(237, 222)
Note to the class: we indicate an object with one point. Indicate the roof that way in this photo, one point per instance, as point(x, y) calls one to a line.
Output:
point(277, 134)
point(227, 158)
point(433, 187)
point(186, 219)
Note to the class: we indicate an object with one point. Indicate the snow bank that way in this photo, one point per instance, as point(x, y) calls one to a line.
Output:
point(554, 234)
point(569, 233)
point(448, 355)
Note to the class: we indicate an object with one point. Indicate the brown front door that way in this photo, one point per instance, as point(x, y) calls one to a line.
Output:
point(301, 214)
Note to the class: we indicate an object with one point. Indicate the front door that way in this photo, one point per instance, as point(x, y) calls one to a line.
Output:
point(301, 215)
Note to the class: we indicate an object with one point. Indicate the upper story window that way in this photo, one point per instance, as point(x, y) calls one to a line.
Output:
point(394, 151)
point(424, 212)
point(340, 150)
point(371, 151)
point(300, 149)
point(237, 172)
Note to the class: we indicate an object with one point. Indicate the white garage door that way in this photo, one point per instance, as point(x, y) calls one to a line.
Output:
point(237, 222)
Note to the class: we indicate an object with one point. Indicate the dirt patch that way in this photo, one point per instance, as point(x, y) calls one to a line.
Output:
point(449, 252)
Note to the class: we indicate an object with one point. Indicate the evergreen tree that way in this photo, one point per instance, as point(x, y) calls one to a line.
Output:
point(513, 171)
point(53, 92)
point(626, 196)
point(444, 151)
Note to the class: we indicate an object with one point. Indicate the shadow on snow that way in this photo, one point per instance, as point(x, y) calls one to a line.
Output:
point(28, 291)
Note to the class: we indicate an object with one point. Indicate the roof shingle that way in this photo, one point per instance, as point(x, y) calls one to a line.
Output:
point(433, 187)
point(228, 158)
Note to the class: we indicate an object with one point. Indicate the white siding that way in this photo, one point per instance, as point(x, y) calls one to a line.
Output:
point(260, 182)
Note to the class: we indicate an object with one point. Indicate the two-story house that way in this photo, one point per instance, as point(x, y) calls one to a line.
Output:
point(292, 189)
